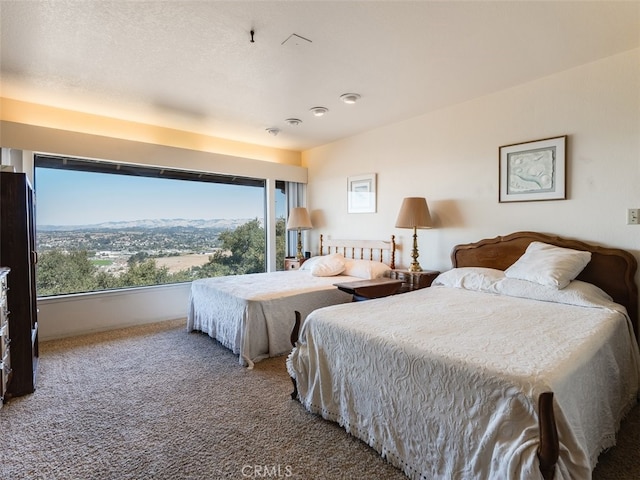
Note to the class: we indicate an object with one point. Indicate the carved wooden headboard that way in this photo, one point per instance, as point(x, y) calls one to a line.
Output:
point(611, 269)
point(381, 250)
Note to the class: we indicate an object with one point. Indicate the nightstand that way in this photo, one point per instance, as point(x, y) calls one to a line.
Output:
point(292, 263)
point(414, 280)
point(367, 289)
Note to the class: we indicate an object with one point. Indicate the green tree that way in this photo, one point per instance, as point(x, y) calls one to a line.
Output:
point(60, 272)
point(181, 276)
point(241, 251)
point(137, 257)
point(144, 273)
point(106, 281)
point(211, 269)
point(281, 241)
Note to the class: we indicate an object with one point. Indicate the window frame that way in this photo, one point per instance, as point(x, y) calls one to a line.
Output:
point(44, 160)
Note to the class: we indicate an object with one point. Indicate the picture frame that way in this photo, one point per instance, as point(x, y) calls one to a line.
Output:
point(533, 171)
point(361, 193)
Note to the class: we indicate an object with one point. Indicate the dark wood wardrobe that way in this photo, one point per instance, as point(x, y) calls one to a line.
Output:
point(18, 252)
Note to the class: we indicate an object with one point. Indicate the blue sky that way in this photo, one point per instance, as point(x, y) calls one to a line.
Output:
point(65, 197)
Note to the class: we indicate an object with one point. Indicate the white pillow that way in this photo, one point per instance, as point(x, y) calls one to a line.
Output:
point(309, 262)
point(578, 293)
point(366, 269)
point(328, 265)
point(469, 278)
point(549, 265)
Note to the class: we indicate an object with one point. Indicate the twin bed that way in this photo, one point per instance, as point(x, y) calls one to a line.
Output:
point(508, 366)
point(252, 315)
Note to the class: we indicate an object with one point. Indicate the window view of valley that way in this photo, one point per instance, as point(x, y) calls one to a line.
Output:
point(102, 225)
point(101, 257)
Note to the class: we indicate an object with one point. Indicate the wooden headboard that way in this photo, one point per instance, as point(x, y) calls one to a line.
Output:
point(381, 250)
point(611, 269)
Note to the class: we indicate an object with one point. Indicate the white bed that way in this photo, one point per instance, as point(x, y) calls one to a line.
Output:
point(445, 382)
point(252, 314)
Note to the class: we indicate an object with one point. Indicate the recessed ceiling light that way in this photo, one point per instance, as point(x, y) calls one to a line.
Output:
point(293, 121)
point(319, 111)
point(350, 98)
point(273, 131)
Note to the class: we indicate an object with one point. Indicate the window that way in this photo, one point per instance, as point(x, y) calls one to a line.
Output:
point(103, 225)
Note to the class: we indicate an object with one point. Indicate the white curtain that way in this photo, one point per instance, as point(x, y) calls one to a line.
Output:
point(296, 197)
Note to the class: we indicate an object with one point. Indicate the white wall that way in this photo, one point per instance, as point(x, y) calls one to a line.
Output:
point(30, 137)
point(451, 158)
point(67, 316)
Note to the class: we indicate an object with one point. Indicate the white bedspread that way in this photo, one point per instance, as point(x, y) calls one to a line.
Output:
point(253, 314)
point(444, 382)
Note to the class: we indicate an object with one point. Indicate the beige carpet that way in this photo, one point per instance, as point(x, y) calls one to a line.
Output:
point(156, 402)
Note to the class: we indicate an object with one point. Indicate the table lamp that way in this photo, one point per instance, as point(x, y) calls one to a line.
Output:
point(414, 213)
point(299, 220)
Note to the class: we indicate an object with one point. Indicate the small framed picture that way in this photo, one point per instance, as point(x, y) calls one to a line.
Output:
point(361, 193)
point(533, 170)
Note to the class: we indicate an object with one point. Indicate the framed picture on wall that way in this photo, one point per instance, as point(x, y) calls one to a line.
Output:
point(361, 193)
point(533, 170)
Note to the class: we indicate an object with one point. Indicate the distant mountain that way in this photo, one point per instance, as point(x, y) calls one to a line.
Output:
point(220, 223)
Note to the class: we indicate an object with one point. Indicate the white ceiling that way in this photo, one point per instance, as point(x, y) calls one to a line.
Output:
point(190, 65)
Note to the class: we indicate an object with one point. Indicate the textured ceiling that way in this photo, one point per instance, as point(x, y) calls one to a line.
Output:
point(190, 65)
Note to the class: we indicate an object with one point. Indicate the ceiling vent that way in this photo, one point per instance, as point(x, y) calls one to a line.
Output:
point(296, 40)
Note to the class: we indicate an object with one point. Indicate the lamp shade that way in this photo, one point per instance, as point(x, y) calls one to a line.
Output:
point(299, 219)
point(414, 213)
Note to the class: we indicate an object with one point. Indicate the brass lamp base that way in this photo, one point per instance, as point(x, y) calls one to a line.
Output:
point(415, 266)
point(299, 255)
